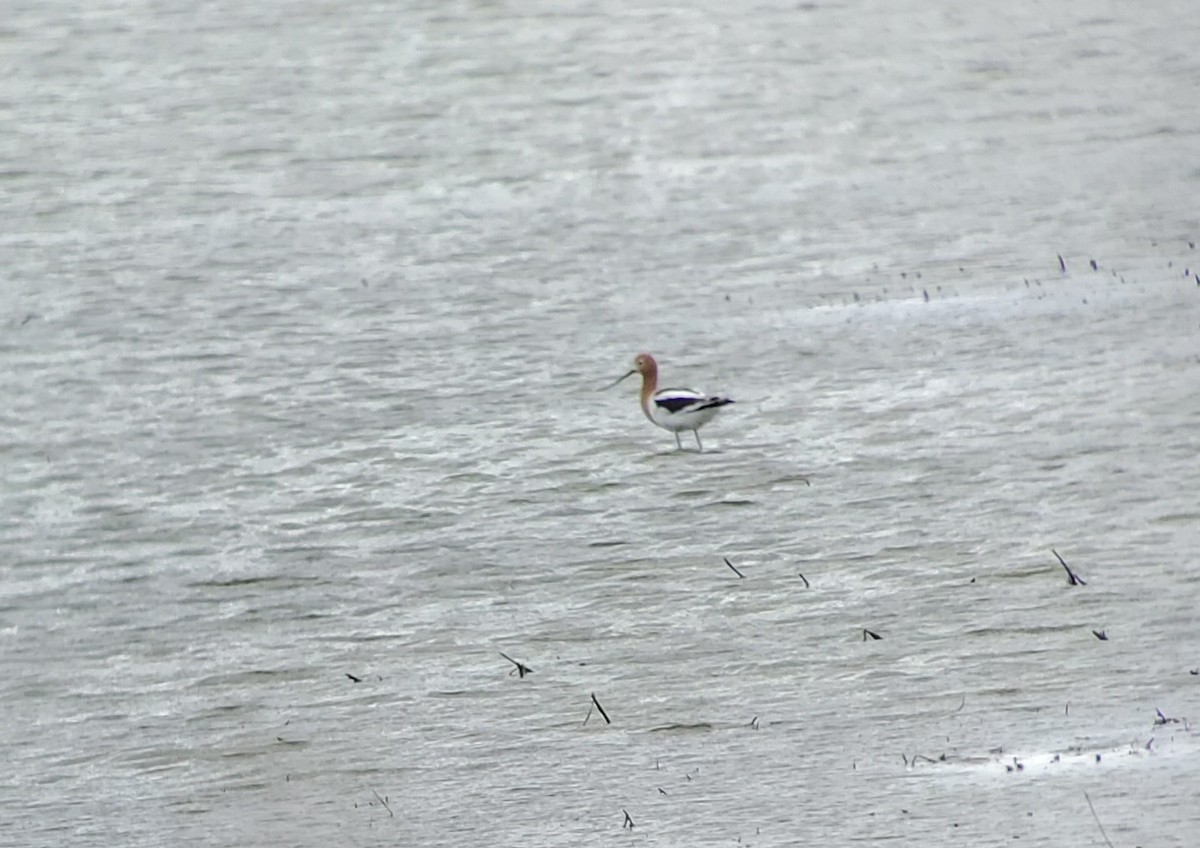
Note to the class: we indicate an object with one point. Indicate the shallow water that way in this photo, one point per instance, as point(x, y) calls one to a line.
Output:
point(306, 313)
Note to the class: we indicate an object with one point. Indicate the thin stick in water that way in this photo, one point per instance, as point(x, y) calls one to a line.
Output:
point(521, 669)
point(383, 801)
point(1072, 578)
point(731, 565)
point(1107, 841)
point(607, 720)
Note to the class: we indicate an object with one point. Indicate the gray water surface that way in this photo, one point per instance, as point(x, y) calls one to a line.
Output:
point(305, 312)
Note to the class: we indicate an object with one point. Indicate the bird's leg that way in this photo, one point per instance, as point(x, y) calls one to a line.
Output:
point(678, 443)
point(699, 447)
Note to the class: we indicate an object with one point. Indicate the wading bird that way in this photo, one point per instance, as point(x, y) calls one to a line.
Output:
point(672, 409)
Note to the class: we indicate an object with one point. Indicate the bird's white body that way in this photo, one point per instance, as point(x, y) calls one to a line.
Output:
point(682, 409)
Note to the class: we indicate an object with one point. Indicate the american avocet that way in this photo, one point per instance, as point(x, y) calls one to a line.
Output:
point(673, 409)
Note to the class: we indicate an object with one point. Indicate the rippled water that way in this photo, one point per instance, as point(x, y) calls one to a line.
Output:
point(306, 309)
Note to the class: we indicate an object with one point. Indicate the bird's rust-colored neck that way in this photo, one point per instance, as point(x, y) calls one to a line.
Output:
point(648, 368)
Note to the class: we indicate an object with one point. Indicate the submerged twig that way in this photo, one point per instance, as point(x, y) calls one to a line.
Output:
point(731, 565)
point(1107, 841)
point(628, 823)
point(805, 579)
point(607, 720)
point(383, 801)
point(1162, 719)
point(521, 669)
point(870, 633)
point(1072, 578)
